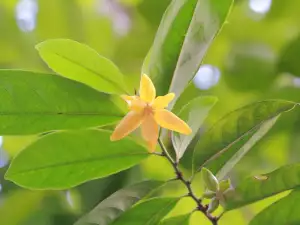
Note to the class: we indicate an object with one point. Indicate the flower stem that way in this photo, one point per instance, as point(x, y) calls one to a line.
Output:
point(187, 183)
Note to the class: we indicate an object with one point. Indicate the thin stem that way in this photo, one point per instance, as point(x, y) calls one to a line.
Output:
point(187, 183)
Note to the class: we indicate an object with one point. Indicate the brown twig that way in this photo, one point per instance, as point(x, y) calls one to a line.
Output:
point(187, 183)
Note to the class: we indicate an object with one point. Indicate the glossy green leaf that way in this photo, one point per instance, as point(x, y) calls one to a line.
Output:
point(36, 102)
point(225, 163)
point(149, 212)
point(235, 125)
point(283, 212)
point(186, 31)
point(81, 63)
point(118, 203)
point(194, 114)
point(288, 61)
point(253, 189)
point(64, 159)
point(177, 220)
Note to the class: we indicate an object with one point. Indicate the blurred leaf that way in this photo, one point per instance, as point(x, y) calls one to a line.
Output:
point(81, 63)
point(225, 163)
point(118, 203)
point(185, 33)
point(19, 206)
point(194, 113)
point(65, 159)
point(289, 58)
point(253, 189)
point(235, 125)
point(284, 211)
point(177, 220)
point(36, 102)
point(149, 212)
point(246, 64)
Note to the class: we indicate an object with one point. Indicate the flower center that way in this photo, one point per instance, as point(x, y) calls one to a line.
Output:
point(148, 110)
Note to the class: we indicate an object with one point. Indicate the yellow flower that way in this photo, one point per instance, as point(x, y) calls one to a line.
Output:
point(148, 112)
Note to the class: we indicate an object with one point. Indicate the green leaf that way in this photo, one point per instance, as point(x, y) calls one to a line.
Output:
point(194, 114)
point(36, 102)
point(19, 206)
point(288, 61)
point(186, 31)
point(149, 212)
point(253, 189)
point(234, 126)
point(284, 211)
point(177, 220)
point(225, 163)
point(65, 159)
point(81, 63)
point(118, 203)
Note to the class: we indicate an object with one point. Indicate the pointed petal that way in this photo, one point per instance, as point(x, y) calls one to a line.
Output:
point(150, 132)
point(128, 124)
point(168, 120)
point(147, 89)
point(163, 101)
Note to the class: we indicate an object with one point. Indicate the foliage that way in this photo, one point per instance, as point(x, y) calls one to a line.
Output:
point(70, 115)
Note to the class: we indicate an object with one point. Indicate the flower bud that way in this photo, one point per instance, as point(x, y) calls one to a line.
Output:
point(210, 180)
point(224, 185)
point(209, 194)
point(213, 205)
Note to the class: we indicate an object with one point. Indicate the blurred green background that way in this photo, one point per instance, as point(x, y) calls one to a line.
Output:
point(255, 57)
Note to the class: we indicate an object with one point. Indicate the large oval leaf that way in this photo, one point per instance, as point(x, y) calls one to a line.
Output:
point(194, 114)
point(234, 126)
point(253, 189)
point(65, 159)
point(185, 33)
point(81, 63)
point(149, 212)
point(177, 220)
point(116, 204)
point(283, 212)
point(36, 102)
point(225, 163)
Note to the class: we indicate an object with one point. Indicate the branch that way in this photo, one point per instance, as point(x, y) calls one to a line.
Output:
point(187, 183)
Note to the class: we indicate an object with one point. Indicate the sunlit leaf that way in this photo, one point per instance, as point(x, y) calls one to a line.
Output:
point(194, 114)
point(185, 33)
point(64, 159)
point(81, 63)
point(36, 102)
point(224, 164)
point(284, 211)
point(149, 212)
point(119, 202)
point(234, 126)
point(255, 188)
point(177, 220)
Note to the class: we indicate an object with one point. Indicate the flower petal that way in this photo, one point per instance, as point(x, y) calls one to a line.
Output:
point(147, 89)
point(137, 105)
point(168, 120)
point(163, 101)
point(128, 124)
point(150, 132)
